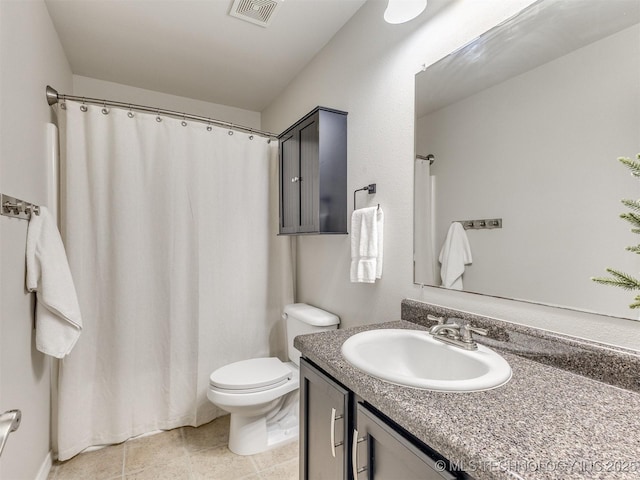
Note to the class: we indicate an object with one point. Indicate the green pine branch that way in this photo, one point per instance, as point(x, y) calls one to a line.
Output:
point(634, 249)
point(632, 218)
point(632, 204)
point(636, 303)
point(620, 279)
point(633, 165)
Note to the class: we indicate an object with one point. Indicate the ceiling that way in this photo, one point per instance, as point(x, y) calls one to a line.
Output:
point(541, 33)
point(193, 48)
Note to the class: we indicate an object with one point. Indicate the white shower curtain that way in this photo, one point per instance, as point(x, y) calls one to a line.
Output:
point(170, 235)
point(424, 258)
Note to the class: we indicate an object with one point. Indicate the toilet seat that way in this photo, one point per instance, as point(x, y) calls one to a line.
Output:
point(250, 376)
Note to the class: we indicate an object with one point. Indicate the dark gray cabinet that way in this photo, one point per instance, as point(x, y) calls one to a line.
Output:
point(343, 438)
point(313, 174)
point(384, 454)
point(325, 414)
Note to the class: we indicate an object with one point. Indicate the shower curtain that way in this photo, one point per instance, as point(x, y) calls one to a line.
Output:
point(425, 266)
point(170, 230)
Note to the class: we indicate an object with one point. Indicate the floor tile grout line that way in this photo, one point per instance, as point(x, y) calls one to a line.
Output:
point(124, 459)
point(187, 453)
point(255, 465)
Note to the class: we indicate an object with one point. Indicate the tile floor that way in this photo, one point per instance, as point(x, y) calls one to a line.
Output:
point(182, 454)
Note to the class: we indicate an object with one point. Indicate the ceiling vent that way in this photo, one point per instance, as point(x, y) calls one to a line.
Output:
point(259, 12)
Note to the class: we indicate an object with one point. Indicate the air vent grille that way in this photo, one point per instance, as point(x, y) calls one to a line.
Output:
point(259, 12)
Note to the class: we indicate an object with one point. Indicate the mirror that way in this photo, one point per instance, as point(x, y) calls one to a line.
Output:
point(525, 125)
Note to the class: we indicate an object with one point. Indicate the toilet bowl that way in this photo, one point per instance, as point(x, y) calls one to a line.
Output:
point(254, 392)
point(261, 394)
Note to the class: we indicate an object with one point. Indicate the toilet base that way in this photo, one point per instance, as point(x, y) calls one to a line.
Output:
point(249, 435)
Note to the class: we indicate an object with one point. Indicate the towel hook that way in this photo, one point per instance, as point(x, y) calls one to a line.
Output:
point(14, 207)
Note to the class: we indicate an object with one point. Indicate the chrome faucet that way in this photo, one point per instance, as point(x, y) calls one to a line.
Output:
point(448, 329)
point(458, 334)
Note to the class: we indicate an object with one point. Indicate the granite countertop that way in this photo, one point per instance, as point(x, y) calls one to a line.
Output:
point(545, 423)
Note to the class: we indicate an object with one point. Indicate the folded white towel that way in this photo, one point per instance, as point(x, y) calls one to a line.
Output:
point(367, 234)
point(455, 254)
point(58, 320)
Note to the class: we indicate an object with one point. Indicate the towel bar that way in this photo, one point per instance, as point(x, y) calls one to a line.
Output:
point(14, 207)
point(481, 224)
point(371, 188)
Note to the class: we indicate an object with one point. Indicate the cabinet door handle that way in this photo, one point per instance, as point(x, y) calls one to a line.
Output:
point(354, 455)
point(332, 429)
point(296, 179)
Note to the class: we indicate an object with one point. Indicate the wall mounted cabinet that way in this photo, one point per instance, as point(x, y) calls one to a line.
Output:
point(313, 174)
point(344, 438)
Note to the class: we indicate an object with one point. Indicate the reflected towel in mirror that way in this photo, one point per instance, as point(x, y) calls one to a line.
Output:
point(455, 254)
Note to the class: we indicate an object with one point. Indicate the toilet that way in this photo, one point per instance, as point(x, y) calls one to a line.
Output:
point(261, 394)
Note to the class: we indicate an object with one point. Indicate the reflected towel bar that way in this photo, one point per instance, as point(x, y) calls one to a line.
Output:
point(481, 224)
point(16, 208)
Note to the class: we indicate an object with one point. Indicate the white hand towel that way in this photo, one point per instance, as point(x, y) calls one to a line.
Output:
point(455, 254)
point(58, 320)
point(367, 234)
point(380, 221)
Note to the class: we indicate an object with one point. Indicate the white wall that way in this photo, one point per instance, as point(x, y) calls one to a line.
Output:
point(31, 57)
point(539, 151)
point(91, 87)
point(368, 69)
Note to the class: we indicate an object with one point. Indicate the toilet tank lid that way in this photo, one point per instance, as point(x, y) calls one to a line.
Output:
point(311, 315)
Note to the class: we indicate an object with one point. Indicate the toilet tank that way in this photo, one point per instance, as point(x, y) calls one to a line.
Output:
point(301, 319)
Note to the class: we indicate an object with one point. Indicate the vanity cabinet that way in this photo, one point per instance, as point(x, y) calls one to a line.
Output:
point(344, 438)
point(313, 174)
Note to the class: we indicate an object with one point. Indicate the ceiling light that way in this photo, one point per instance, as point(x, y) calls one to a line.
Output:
point(400, 11)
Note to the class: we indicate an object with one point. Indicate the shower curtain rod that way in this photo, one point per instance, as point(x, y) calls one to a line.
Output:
point(53, 97)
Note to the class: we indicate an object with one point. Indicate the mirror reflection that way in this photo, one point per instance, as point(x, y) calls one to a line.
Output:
point(524, 125)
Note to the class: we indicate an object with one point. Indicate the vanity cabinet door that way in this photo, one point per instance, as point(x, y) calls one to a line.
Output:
point(325, 425)
point(381, 453)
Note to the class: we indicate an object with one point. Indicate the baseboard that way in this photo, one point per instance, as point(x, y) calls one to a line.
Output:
point(45, 468)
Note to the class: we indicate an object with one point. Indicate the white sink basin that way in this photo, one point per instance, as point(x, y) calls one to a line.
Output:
point(413, 358)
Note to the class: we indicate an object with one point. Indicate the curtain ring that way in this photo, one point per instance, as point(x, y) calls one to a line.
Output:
point(209, 127)
point(130, 113)
point(230, 132)
point(105, 110)
point(183, 123)
point(250, 137)
point(83, 107)
point(158, 118)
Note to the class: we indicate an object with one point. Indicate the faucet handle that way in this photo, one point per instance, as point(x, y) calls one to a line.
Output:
point(468, 330)
point(433, 318)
